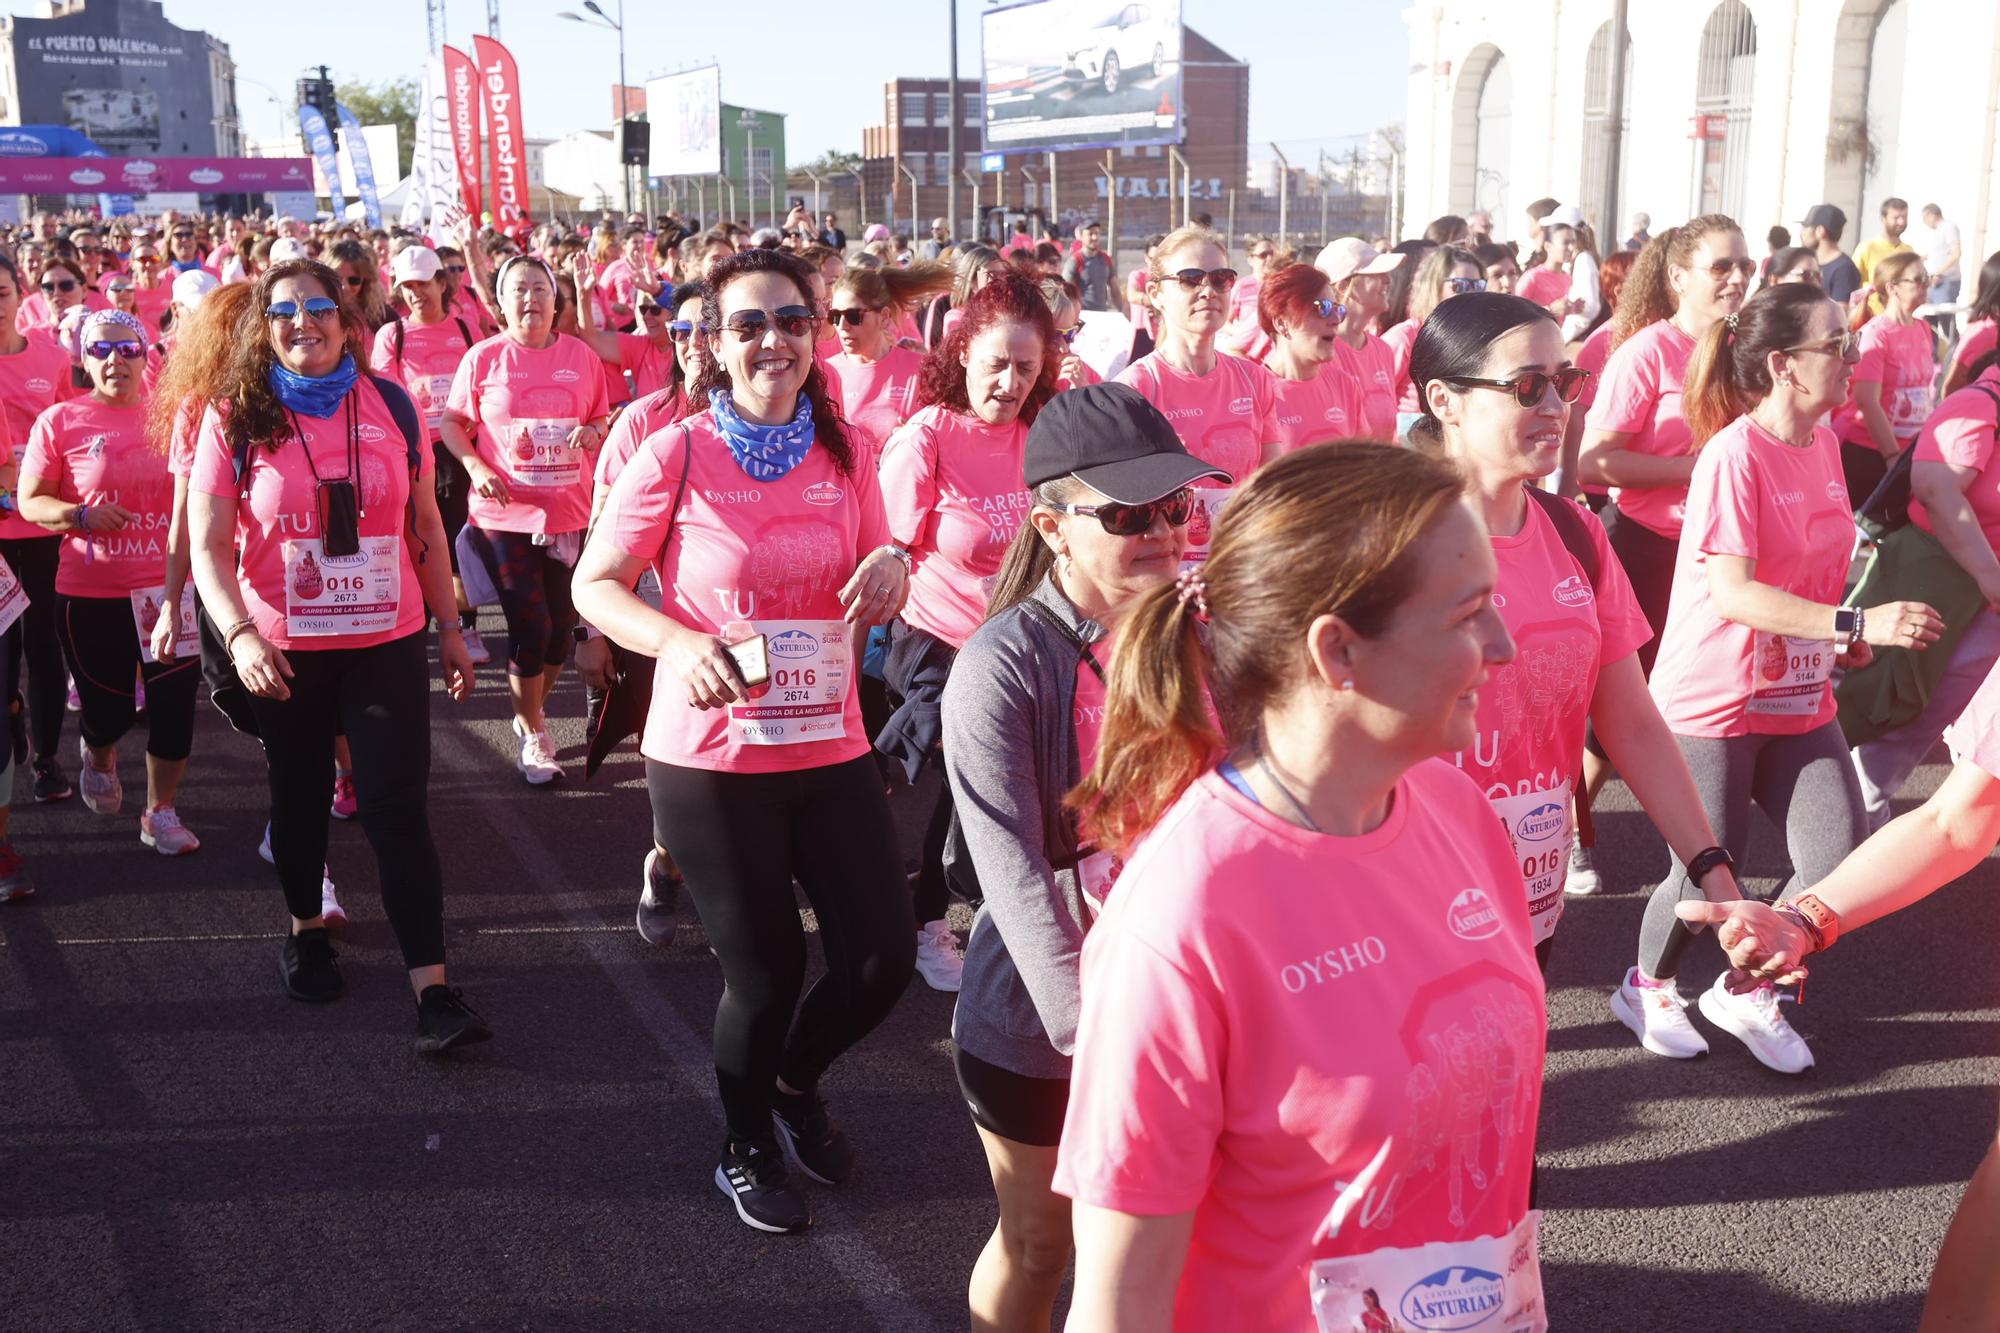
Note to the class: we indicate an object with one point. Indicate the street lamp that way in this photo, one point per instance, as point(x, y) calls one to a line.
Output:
point(604, 20)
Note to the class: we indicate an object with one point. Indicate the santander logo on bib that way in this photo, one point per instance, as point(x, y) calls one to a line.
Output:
point(822, 493)
point(1472, 915)
point(1573, 591)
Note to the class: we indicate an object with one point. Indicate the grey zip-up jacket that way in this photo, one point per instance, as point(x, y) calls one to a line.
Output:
point(1010, 755)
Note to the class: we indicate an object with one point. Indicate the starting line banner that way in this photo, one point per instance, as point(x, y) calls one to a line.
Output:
point(149, 175)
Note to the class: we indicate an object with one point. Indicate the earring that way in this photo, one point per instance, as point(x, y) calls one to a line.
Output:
point(1347, 685)
point(1063, 563)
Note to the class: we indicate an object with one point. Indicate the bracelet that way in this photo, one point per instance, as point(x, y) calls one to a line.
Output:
point(1820, 922)
point(902, 553)
point(82, 518)
point(1706, 860)
point(235, 631)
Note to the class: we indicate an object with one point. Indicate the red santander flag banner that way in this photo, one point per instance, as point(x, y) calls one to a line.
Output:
point(462, 100)
point(501, 83)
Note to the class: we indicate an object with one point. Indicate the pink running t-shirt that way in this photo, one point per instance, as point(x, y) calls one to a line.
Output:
point(1324, 408)
point(1755, 496)
point(1591, 356)
point(1640, 397)
point(875, 397)
point(1373, 367)
point(654, 411)
point(1961, 432)
point(31, 381)
point(1328, 1049)
point(1225, 418)
point(1975, 737)
point(1400, 341)
point(1902, 358)
point(525, 402)
point(98, 455)
point(431, 353)
point(1977, 341)
point(952, 487)
point(772, 555)
point(278, 507)
point(1533, 710)
point(649, 367)
point(1543, 286)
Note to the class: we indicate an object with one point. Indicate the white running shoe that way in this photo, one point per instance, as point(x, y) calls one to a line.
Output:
point(329, 906)
point(939, 958)
point(102, 792)
point(1583, 879)
point(475, 647)
point(1657, 1015)
point(163, 831)
point(1753, 1019)
point(538, 756)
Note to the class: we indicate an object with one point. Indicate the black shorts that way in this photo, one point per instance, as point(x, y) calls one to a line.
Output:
point(1013, 1106)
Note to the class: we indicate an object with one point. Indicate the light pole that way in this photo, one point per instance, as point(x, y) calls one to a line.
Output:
point(951, 118)
point(604, 20)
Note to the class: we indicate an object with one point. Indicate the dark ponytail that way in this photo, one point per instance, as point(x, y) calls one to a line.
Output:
point(1730, 371)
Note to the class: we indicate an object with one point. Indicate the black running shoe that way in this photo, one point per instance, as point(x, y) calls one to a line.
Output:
point(753, 1176)
point(809, 1139)
point(308, 967)
point(445, 1020)
point(659, 900)
point(50, 782)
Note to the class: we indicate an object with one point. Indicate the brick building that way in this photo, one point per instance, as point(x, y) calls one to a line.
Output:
point(1214, 84)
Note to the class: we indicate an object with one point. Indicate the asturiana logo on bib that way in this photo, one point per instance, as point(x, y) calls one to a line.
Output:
point(1544, 821)
point(1453, 1299)
point(1573, 591)
point(794, 643)
point(822, 493)
point(1472, 916)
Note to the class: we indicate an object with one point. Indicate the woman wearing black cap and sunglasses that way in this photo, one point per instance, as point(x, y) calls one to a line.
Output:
point(1111, 489)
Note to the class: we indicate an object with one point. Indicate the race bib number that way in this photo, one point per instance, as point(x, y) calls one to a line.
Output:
point(13, 597)
point(436, 390)
point(1791, 676)
point(535, 451)
point(1208, 503)
point(812, 668)
point(342, 594)
point(1908, 409)
point(1492, 1284)
point(146, 603)
point(1538, 824)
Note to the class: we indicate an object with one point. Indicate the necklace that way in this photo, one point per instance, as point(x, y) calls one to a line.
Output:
point(1286, 792)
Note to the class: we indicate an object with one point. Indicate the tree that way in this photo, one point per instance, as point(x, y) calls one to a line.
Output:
point(832, 162)
point(390, 103)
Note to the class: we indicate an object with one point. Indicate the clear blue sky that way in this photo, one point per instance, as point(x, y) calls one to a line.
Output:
point(1344, 71)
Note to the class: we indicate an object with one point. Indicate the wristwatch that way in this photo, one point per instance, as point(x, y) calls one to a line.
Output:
point(1848, 624)
point(582, 633)
point(1707, 860)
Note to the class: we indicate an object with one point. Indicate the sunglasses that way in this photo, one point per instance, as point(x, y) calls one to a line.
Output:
point(1847, 346)
point(1460, 286)
point(104, 351)
point(793, 321)
point(681, 330)
point(454, 268)
point(1722, 268)
point(1260, 254)
point(1123, 520)
point(648, 311)
point(1529, 389)
point(1218, 279)
point(353, 280)
point(1068, 335)
point(183, 235)
point(316, 307)
point(850, 317)
point(118, 289)
point(59, 285)
point(1328, 308)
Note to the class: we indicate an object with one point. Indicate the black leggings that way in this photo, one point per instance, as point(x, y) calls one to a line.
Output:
point(382, 697)
point(1648, 560)
point(1013, 1106)
point(740, 839)
point(102, 646)
point(33, 560)
point(534, 595)
point(454, 496)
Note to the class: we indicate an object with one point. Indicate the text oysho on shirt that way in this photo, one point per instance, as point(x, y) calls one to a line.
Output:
point(759, 551)
point(951, 485)
point(525, 401)
point(1225, 417)
point(1319, 410)
point(99, 455)
point(1640, 397)
point(1220, 1068)
point(1755, 496)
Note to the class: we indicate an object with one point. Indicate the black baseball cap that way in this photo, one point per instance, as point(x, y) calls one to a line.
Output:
point(1111, 439)
point(1824, 215)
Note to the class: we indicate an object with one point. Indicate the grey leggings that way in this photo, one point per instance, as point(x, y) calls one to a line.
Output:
point(1804, 784)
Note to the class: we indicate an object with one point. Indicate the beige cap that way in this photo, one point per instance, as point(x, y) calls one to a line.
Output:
point(415, 263)
point(1343, 258)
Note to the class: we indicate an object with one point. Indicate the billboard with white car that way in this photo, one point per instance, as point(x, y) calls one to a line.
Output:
point(1081, 74)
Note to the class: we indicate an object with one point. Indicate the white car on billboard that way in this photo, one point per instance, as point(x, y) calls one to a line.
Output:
point(1125, 38)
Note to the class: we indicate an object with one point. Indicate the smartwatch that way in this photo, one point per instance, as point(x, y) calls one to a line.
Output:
point(581, 633)
point(1707, 860)
point(1848, 622)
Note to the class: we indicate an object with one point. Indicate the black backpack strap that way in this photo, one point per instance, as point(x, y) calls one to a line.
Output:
point(463, 331)
point(397, 399)
point(1044, 613)
point(1572, 527)
point(399, 337)
point(1992, 393)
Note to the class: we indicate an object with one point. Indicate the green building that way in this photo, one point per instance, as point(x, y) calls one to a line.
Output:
point(753, 164)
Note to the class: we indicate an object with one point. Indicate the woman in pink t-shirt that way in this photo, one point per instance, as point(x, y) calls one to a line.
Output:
point(59, 286)
point(1745, 675)
point(1236, 1160)
point(1361, 283)
point(1316, 396)
point(611, 294)
point(1241, 334)
point(1222, 405)
point(34, 375)
point(303, 467)
point(766, 529)
point(92, 475)
point(1444, 272)
point(1981, 333)
point(1072, 371)
point(951, 482)
point(1496, 384)
point(874, 375)
point(527, 414)
point(1591, 356)
point(636, 364)
point(1892, 389)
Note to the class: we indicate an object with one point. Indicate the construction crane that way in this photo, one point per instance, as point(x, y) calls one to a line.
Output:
point(434, 14)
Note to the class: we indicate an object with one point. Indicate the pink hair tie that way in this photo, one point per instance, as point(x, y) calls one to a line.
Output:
point(1193, 588)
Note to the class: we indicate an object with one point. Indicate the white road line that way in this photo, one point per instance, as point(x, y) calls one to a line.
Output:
point(175, 939)
point(688, 1054)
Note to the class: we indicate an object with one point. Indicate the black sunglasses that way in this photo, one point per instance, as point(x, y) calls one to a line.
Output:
point(1461, 286)
point(1218, 279)
point(454, 268)
point(1530, 388)
point(1123, 520)
point(59, 285)
point(851, 317)
point(793, 321)
point(183, 235)
point(104, 351)
point(648, 311)
point(353, 280)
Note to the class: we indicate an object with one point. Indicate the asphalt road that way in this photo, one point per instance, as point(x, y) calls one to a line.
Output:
point(182, 1147)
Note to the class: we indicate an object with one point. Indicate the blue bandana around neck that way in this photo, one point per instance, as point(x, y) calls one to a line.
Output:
point(315, 395)
point(763, 452)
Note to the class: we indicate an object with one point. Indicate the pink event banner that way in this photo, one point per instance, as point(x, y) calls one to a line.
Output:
point(148, 175)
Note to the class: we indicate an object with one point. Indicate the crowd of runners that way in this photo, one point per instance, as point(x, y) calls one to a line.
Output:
point(1267, 635)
